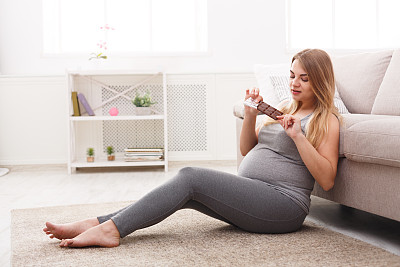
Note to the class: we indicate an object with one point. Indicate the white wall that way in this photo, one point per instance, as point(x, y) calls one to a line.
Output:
point(241, 33)
point(33, 90)
point(33, 120)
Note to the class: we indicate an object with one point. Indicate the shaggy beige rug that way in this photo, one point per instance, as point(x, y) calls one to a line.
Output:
point(187, 238)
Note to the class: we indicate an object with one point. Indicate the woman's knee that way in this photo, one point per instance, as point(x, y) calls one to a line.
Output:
point(193, 177)
point(187, 171)
point(185, 176)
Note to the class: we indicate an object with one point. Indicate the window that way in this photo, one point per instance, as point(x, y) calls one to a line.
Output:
point(124, 26)
point(343, 24)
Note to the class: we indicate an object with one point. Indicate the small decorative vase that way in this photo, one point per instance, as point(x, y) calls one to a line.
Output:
point(90, 159)
point(98, 63)
point(113, 111)
point(111, 157)
point(143, 111)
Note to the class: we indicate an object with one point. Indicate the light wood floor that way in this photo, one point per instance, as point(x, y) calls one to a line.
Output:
point(50, 185)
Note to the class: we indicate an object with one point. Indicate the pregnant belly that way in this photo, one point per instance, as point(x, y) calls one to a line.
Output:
point(268, 166)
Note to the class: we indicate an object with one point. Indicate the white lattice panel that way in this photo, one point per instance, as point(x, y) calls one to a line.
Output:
point(125, 106)
point(187, 117)
point(124, 134)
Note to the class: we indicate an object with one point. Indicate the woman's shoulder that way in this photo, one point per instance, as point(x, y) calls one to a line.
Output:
point(333, 121)
point(334, 117)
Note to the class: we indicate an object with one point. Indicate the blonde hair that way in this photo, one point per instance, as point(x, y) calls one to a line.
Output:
point(318, 66)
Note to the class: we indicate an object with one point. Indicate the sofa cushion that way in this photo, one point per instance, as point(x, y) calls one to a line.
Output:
point(358, 78)
point(351, 119)
point(388, 98)
point(281, 87)
point(374, 141)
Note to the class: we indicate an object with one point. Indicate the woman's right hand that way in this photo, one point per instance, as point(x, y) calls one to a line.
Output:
point(254, 94)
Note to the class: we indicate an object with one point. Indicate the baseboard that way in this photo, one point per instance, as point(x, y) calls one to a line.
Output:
point(32, 162)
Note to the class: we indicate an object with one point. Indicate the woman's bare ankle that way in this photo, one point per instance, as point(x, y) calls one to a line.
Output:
point(92, 221)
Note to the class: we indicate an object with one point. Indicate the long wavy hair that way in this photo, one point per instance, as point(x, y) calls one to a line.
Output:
point(318, 66)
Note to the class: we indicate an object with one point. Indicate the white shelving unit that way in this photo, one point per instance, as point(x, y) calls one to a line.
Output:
point(103, 90)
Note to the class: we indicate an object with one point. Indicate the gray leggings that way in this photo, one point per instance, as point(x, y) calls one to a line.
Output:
point(249, 204)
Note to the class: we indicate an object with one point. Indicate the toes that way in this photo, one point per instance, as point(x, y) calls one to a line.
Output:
point(49, 225)
point(70, 242)
point(48, 233)
point(66, 242)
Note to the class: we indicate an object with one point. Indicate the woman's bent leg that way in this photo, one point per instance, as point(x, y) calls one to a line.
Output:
point(250, 204)
point(194, 205)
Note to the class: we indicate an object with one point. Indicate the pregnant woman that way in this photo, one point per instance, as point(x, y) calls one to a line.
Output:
point(270, 194)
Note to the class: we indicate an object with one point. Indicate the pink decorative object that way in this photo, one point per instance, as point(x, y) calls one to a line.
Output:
point(113, 111)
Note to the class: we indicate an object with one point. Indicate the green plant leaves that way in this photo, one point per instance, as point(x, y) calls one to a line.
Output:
point(110, 150)
point(97, 56)
point(90, 151)
point(143, 101)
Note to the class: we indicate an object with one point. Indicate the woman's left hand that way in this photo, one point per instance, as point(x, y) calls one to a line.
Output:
point(291, 124)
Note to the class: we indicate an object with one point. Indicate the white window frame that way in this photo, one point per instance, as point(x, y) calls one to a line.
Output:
point(202, 43)
point(291, 49)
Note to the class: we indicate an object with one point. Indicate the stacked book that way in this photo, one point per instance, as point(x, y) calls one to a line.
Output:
point(144, 154)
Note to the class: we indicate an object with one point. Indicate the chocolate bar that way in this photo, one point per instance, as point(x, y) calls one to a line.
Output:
point(264, 108)
point(269, 110)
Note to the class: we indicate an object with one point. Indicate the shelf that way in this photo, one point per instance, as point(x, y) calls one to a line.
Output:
point(116, 118)
point(111, 72)
point(115, 163)
point(104, 89)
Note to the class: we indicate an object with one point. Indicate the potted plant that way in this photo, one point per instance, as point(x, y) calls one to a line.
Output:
point(143, 104)
point(110, 153)
point(90, 154)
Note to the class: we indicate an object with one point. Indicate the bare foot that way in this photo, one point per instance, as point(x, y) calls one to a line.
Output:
point(69, 230)
point(103, 235)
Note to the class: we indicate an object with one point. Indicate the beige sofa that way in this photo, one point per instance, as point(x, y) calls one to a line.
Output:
point(368, 175)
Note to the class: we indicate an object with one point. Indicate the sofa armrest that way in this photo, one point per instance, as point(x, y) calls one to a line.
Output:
point(238, 109)
point(238, 112)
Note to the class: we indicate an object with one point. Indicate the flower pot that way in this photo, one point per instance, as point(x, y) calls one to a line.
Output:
point(96, 64)
point(111, 157)
point(141, 111)
point(90, 159)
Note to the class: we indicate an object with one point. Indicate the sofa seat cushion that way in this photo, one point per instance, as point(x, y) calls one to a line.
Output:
point(351, 119)
point(374, 141)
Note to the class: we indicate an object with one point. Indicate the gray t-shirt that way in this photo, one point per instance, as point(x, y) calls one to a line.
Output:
point(276, 161)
